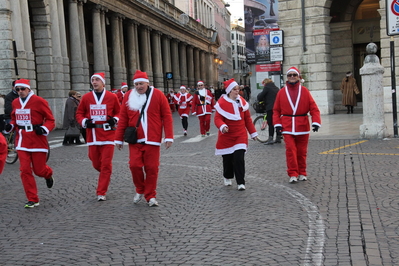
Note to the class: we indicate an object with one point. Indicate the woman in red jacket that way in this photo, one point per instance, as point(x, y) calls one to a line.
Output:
point(233, 120)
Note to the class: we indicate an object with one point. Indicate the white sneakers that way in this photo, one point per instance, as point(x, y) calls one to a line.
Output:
point(137, 198)
point(101, 198)
point(241, 187)
point(302, 178)
point(227, 182)
point(153, 202)
point(294, 179)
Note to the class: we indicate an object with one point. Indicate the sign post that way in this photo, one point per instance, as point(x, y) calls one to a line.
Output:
point(392, 14)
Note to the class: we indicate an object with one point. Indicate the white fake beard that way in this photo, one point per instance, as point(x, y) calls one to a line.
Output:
point(136, 100)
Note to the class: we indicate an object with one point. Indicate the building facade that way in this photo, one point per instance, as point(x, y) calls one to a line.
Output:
point(61, 43)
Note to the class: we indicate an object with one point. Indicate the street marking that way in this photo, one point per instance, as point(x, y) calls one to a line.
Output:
point(197, 138)
point(343, 147)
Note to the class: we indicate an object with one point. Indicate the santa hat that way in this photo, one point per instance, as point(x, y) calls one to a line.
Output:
point(200, 82)
point(100, 75)
point(229, 85)
point(349, 73)
point(22, 83)
point(140, 76)
point(123, 85)
point(294, 69)
point(182, 87)
point(114, 90)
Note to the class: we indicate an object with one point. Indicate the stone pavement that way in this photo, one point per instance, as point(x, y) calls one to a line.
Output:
point(345, 214)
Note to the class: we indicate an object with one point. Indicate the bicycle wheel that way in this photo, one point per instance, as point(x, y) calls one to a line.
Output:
point(12, 155)
point(262, 128)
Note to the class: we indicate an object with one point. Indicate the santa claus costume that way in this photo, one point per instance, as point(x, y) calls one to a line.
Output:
point(183, 100)
point(233, 120)
point(170, 96)
point(203, 106)
point(98, 112)
point(33, 120)
point(145, 154)
point(121, 93)
point(290, 116)
point(3, 152)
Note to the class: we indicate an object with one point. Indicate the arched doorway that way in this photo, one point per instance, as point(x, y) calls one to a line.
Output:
point(353, 25)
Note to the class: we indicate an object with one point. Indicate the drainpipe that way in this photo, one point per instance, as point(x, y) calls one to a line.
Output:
point(303, 27)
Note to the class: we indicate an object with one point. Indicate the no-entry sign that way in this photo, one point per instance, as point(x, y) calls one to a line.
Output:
point(392, 11)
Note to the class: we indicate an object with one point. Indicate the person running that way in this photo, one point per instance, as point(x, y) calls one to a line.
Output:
point(203, 106)
point(183, 100)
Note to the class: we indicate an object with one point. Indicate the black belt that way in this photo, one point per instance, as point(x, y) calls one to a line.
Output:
point(33, 126)
point(97, 126)
point(295, 115)
point(203, 104)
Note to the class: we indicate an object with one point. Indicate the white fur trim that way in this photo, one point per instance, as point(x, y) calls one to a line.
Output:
point(141, 79)
point(231, 86)
point(98, 76)
point(21, 85)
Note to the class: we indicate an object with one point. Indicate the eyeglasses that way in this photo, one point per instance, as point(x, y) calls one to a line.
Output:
point(292, 75)
point(20, 89)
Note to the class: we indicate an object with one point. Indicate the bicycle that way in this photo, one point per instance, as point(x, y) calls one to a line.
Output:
point(12, 155)
point(260, 122)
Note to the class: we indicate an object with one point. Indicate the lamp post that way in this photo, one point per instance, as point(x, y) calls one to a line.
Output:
point(218, 62)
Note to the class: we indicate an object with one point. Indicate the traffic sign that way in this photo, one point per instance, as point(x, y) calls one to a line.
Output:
point(276, 54)
point(169, 75)
point(276, 37)
point(392, 14)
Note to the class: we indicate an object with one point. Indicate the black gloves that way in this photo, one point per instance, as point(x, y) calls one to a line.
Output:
point(111, 121)
point(279, 130)
point(89, 123)
point(8, 127)
point(40, 131)
point(315, 128)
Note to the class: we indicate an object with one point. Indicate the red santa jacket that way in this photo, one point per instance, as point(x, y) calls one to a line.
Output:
point(292, 114)
point(100, 110)
point(156, 116)
point(237, 117)
point(3, 152)
point(202, 106)
point(120, 95)
point(33, 111)
point(184, 101)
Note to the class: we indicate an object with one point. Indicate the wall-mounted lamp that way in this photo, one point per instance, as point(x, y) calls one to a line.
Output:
point(227, 5)
point(218, 61)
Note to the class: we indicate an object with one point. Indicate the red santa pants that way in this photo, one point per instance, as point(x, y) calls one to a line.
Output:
point(296, 149)
point(144, 166)
point(35, 161)
point(101, 158)
point(205, 123)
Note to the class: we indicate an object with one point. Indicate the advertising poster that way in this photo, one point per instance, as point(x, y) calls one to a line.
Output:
point(260, 17)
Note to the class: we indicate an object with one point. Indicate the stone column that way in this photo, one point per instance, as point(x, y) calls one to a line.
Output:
point(133, 51)
point(105, 48)
point(122, 47)
point(209, 69)
point(203, 66)
point(197, 66)
point(175, 63)
point(6, 63)
point(373, 126)
point(116, 52)
point(58, 66)
point(190, 67)
point(97, 42)
point(64, 46)
point(166, 60)
point(145, 52)
point(77, 74)
point(83, 42)
point(183, 63)
point(28, 51)
point(18, 32)
point(157, 60)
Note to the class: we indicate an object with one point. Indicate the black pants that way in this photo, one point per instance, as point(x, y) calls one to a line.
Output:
point(184, 122)
point(234, 165)
point(269, 120)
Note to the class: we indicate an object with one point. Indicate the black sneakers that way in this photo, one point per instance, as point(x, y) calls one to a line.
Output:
point(50, 182)
point(31, 204)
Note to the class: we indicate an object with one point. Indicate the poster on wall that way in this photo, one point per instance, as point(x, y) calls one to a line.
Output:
point(260, 17)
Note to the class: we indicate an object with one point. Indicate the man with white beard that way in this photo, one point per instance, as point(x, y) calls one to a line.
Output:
point(146, 109)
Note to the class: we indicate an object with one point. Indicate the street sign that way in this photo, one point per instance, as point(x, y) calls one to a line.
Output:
point(392, 14)
point(276, 54)
point(169, 75)
point(276, 37)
